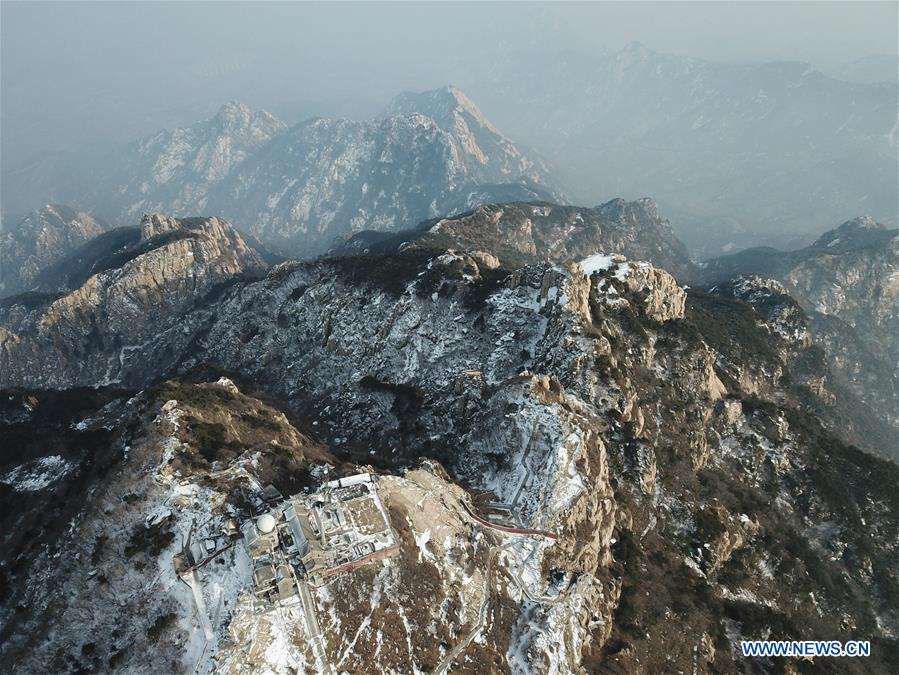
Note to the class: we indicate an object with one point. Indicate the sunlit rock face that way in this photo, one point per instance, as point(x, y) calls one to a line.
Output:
point(174, 265)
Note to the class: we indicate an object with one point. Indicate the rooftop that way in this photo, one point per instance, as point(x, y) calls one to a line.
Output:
point(317, 536)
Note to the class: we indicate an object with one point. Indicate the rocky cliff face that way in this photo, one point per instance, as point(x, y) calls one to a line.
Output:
point(137, 293)
point(848, 284)
point(520, 233)
point(854, 276)
point(836, 375)
point(41, 239)
point(665, 438)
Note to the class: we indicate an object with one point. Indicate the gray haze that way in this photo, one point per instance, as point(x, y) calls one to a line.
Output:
point(78, 73)
point(563, 79)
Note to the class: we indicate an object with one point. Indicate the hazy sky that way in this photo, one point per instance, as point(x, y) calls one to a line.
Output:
point(78, 73)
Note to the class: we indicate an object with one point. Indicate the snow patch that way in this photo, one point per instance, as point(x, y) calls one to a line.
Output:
point(596, 262)
point(421, 540)
point(37, 475)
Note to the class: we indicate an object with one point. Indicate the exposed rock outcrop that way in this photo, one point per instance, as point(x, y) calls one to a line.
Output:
point(519, 233)
point(115, 311)
point(39, 240)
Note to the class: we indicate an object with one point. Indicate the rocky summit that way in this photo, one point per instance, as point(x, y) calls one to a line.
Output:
point(582, 465)
point(513, 234)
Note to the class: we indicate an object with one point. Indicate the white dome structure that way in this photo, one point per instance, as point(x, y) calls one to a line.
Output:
point(266, 523)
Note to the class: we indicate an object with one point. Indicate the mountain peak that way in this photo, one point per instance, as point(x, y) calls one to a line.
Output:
point(460, 98)
point(858, 231)
point(444, 105)
point(644, 207)
point(635, 47)
point(234, 116)
point(153, 224)
point(861, 223)
point(234, 107)
point(634, 51)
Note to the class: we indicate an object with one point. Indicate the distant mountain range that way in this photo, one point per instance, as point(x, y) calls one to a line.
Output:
point(736, 154)
point(868, 69)
point(298, 188)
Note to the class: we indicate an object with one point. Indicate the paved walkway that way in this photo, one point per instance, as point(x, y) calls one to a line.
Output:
point(505, 528)
point(456, 651)
point(202, 614)
point(315, 634)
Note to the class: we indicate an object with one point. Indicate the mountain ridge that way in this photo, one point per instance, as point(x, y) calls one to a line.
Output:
point(662, 435)
point(279, 180)
point(848, 283)
point(519, 233)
